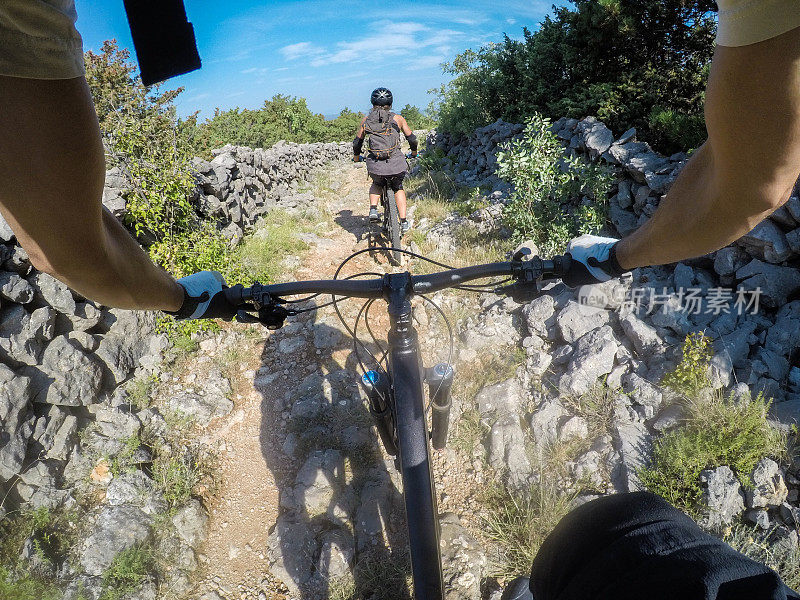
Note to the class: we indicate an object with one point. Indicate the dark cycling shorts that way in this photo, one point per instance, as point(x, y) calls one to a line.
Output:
point(393, 181)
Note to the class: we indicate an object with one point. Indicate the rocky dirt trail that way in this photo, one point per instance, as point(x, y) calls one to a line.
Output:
point(305, 492)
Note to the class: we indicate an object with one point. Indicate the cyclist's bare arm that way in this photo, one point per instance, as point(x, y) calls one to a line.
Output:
point(747, 167)
point(51, 183)
point(361, 130)
point(401, 121)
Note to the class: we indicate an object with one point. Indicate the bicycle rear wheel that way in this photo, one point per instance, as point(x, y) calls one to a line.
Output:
point(393, 227)
point(419, 492)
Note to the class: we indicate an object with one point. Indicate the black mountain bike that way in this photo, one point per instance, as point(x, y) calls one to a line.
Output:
point(394, 384)
point(390, 228)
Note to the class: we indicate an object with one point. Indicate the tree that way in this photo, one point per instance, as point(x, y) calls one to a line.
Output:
point(631, 63)
point(416, 118)
point(280, 118)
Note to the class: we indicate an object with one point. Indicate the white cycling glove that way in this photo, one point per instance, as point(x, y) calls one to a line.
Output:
point(594, 260)
point(203, 297)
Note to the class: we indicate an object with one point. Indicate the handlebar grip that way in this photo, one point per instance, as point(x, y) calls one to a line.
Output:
point(235, 295)
point(562, 264)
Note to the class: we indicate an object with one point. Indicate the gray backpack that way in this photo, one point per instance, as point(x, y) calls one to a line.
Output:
point(384, 138)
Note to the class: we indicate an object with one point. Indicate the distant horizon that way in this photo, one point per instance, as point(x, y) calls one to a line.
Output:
point(313, 49)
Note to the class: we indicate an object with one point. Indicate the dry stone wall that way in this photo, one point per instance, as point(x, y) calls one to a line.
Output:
point(65, 362)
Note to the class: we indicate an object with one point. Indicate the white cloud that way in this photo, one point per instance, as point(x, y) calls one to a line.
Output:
point(395, 39)
point(426, 62)
point(511, 21)
point(299, 50)
point(255, 71)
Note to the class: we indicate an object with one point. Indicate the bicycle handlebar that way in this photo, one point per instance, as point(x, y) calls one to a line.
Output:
point(523, 271)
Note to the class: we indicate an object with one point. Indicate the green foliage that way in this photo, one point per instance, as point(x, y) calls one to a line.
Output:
point(691, 375)
point(127, 571)
point(121, 462)
point(678, 130)
point(145, 140)
point(53, 534)
point(717, 431)
point(615, 59)
point(547, 187)
point(468, 200)
point(260, 256)
point(518, 523)
point(140, 391)
point(26, 587)
point(281, 118)
point(176, 473)
point(430, 160)
point(416, 119)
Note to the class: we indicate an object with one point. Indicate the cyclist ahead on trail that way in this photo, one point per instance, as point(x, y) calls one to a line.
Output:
point(386, 163)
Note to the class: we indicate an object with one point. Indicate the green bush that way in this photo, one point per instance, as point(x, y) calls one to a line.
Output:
point(548, 187)
point(260, 256)
point(756, 545)
point(678, 130)
point(691, 375)
point(53, 533)
point(145, 140)
point(717, 431)
point(518, 523)
point(177, 474)
point(127, 572)
point(615, 59)
point(281, 118)
point(26, 587)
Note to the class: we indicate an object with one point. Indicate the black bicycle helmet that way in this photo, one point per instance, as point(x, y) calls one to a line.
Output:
point(381, 97)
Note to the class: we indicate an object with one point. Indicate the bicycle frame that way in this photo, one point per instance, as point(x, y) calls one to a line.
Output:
point(405, 369)
point(405, 396)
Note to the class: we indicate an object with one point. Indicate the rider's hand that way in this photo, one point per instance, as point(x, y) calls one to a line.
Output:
point(203, 298)
point(593, 261)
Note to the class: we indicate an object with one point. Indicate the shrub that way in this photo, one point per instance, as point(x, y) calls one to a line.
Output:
point(691, 376)
point(756, 545)
point(177, 473)
point(416, 119)
point(53, 533)
point(260, 255)
point(547, 188)
point(518, 523)
point(145, 140)
point(127, 571)
point(280, 118)
point(717, 431)
point(26, 587)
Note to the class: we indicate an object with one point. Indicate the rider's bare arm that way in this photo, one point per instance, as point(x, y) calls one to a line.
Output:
point(358, 141)
point(745, 170)
point(52, 172)
point(412, 139)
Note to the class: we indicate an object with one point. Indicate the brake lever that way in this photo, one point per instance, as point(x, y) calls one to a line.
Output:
point(271, 314)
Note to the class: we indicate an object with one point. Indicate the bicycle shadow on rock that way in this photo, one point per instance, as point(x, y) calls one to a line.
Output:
point(341, 530)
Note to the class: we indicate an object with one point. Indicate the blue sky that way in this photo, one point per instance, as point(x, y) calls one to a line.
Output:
point(333, 53)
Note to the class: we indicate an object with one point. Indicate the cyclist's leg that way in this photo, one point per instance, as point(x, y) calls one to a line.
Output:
point(51, 184)
point(375, 190)
point(399, 194)
point(374, 195)
point(747, 167)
